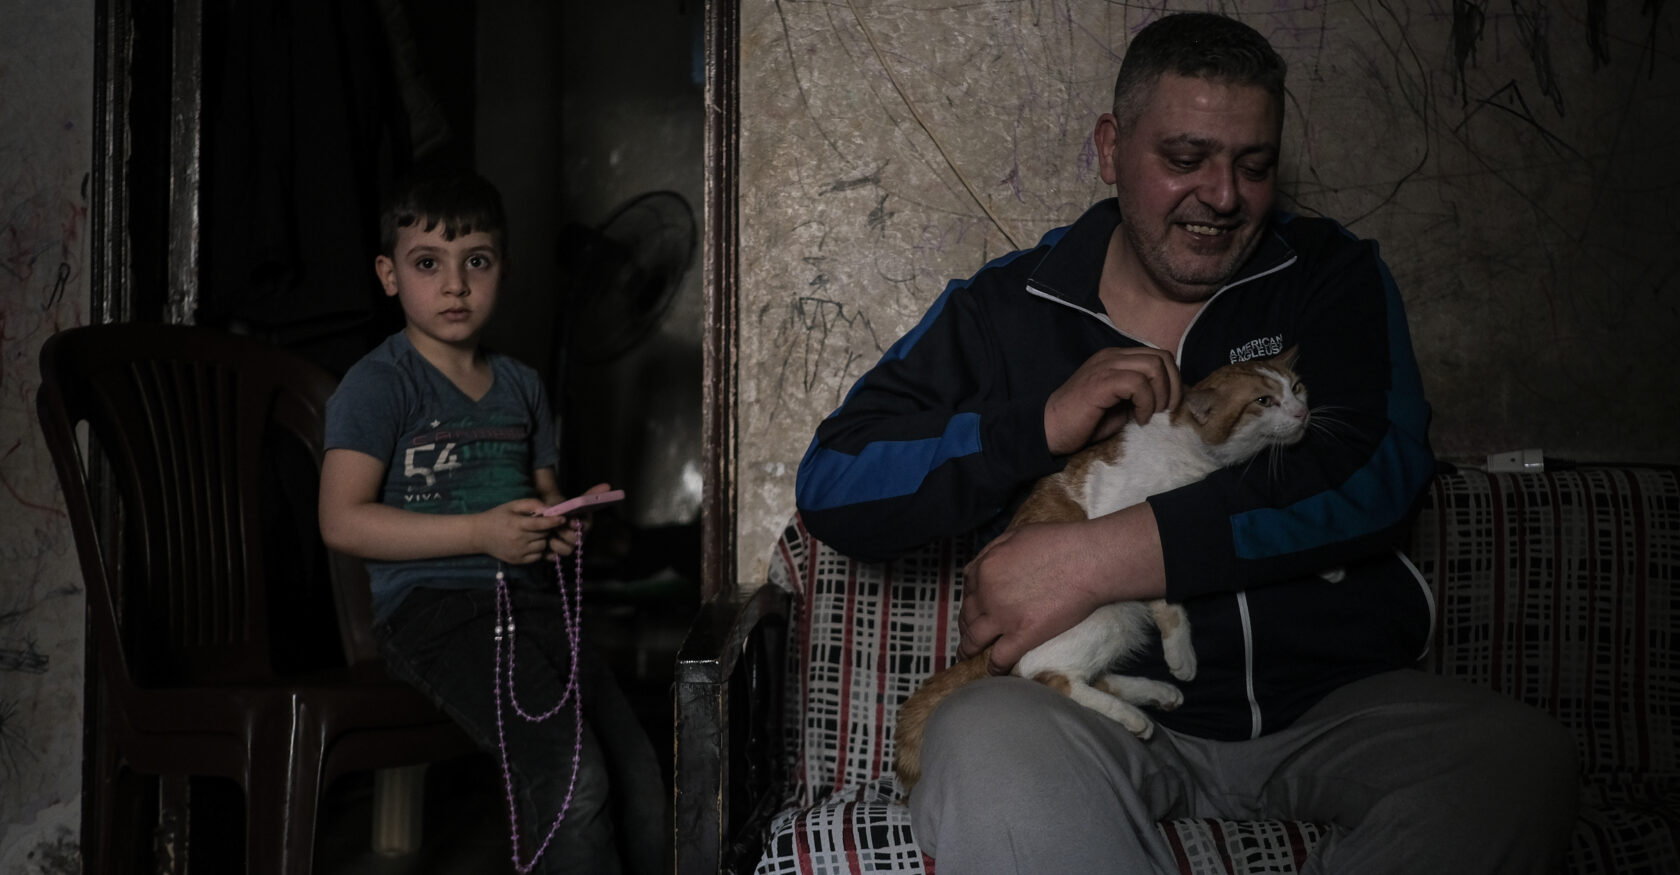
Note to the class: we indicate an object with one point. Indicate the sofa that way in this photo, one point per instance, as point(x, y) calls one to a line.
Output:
point(1559, 588)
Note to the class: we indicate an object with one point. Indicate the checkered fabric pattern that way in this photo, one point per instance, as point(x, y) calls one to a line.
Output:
point(861, 828)
point(1250, 847)
point(1557, 588)
point(1563, 590)
point(869, 634)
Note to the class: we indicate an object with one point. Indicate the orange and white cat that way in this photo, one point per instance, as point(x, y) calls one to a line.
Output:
point(1227, 418)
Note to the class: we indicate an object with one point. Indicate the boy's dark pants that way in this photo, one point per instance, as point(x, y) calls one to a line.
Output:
point(442, 642)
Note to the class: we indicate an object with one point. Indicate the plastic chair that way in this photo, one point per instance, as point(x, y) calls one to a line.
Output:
point(195, 428)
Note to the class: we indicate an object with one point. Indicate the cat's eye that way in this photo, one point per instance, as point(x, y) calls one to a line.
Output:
point(1297, 387)
point(1264, 401)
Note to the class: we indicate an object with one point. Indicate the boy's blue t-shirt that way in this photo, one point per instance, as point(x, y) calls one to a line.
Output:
point(443, 452)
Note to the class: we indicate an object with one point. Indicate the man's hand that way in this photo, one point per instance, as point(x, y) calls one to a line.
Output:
point(1033, 583)
point(1017, 591)
point(1094, 402)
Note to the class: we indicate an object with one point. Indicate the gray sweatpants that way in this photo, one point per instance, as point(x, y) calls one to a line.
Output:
point(1416, 773)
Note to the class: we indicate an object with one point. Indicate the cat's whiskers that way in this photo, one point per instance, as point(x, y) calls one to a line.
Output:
point(1274, 460)
point(1324, 420)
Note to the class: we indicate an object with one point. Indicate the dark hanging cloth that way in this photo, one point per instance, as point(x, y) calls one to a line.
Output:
point(304, 133)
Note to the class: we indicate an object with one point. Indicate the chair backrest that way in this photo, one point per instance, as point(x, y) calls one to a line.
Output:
point(865, 637)
point(1562, 589)
point(212, 448)
point(353, 599)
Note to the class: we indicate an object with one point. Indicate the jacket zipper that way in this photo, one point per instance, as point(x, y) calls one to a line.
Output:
point(1248, 666)
point(1255, 721)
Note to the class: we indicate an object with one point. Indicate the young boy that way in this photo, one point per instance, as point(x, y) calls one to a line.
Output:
point(439, 454)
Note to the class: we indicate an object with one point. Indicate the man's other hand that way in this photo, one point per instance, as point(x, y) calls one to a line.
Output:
point(1035, 582)
point(1020, 591)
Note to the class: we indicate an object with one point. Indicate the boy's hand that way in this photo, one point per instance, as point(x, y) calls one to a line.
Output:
point(514, 534)
point(563, 541)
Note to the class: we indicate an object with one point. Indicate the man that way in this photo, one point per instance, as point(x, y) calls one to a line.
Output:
point(1305, 705)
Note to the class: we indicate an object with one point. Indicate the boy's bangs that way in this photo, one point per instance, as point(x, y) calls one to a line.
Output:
point(454, 225)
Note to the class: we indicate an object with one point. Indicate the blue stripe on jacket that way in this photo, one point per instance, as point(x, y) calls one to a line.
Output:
point(895, 467)
point(827, 478)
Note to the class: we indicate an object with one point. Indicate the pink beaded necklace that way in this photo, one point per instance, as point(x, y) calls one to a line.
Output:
point(571, 608)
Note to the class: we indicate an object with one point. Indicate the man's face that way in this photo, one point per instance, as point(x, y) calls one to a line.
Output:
point(1195, 175)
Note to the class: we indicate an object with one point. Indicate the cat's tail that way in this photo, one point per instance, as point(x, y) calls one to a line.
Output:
point(914, 713)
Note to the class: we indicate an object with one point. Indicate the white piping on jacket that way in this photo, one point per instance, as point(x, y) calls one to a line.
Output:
point(1242, 598)
point(1248, 666)
point(1428, 598)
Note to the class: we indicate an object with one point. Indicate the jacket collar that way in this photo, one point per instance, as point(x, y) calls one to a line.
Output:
point(1071, 271)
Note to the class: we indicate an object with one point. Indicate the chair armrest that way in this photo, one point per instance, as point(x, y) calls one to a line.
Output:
point(720, 631)
point(728, 735)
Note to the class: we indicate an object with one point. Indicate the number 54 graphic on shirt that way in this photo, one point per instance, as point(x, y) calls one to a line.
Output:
point(447, 460)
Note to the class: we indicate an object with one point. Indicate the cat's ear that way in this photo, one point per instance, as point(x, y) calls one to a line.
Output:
point(1287, 357)
point(1199, 404)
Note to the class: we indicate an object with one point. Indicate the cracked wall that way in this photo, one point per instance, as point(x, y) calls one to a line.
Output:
point(46, 137)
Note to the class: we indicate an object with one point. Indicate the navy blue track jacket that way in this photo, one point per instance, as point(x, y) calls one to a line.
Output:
point(945, 435)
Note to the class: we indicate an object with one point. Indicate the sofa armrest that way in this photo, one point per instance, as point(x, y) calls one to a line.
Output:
point(729, 763)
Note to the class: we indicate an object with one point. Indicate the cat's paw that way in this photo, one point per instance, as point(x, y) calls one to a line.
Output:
point(1176, 644)
point(1103, 698)
point(1181, 657)
point(1334, 575)
point(1144, 692)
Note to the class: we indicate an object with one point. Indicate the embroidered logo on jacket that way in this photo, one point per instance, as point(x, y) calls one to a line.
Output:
point(1259, 347)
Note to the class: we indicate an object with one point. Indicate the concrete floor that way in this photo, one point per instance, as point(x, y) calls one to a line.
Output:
point(464, 830)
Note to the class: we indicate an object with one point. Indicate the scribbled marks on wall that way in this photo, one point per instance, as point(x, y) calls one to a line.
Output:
point(1534, 31)
point(59, 852)
point(1468, 19)
point(40, 242)
point(43, 222)
point(19, 655)
point(40, 250)
point(1508, 100)
point(879, 215)
point(1596, 41)
point(825, 345)
point(14, 748)
point(1532, 21)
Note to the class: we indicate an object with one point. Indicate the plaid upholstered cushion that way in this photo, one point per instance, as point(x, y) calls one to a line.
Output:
point(869, 635)
point(1559, 589)
point(861, 828)
point(1563, 590)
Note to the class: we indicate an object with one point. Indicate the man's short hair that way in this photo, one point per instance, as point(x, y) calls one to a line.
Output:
point(460, 200)
point(1199, 44)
